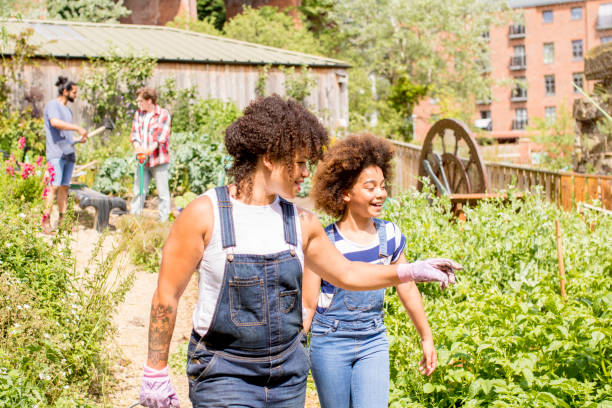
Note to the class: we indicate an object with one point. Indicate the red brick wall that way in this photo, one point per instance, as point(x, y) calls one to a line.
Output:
point(158, 12)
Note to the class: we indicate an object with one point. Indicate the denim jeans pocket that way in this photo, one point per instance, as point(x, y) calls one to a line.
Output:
point(199, 363)
point(246, 301)
point(318, 329)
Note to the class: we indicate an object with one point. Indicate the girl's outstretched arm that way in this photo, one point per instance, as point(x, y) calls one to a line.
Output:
point(411, 299)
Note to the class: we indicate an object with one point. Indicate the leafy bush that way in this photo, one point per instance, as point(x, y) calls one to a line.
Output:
point(503, 334)
point(190, 114)
point(110, 83)
point(23, 182)
point(197, 163)
point(116, 175)
point(53, 317)
point(15, 125)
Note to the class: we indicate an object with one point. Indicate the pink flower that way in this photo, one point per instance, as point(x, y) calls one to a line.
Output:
point(21, 142)
point(26, 170)
point(50, 174)
point(39, 161)
point(44, 195)
point(45, 216)
point(10, 170)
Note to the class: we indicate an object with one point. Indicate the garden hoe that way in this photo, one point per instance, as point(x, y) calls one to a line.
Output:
point(108, 124)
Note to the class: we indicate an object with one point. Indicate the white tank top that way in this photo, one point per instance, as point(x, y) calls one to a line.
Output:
point(258, 231)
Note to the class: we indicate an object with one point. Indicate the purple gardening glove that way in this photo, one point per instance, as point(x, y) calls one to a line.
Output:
point(156, 390)
point(430, 270)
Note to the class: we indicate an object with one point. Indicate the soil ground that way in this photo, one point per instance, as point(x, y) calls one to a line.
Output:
point(129, 345)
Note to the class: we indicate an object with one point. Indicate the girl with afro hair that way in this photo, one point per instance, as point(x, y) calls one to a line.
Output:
point(348, 347)
point(250, 246)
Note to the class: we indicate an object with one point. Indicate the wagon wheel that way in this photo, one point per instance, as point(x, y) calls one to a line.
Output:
point(451, 160)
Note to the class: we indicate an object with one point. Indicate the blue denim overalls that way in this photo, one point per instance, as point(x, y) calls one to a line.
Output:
point(252, 354)
point(348, 346)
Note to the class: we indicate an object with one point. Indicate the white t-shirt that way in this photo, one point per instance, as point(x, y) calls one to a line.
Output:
point(258, 231)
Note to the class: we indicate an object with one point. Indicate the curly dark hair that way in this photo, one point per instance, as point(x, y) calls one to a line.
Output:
point(275, 127)
point(341, 166)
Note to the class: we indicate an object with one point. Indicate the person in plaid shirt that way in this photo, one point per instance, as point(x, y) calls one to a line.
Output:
point(151, 136)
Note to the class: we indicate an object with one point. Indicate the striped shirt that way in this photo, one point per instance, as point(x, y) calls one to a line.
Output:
point(396, 242)
point(147, 130)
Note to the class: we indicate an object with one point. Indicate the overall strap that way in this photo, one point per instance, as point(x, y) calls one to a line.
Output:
point(382, 238)
point(331, 234)
point(228, 237)
point(289, 221)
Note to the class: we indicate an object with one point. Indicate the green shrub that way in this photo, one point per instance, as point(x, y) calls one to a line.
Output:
point(116, 175)
point(22, 182)
point(196, 165)
point(54, 318)
point(504, 336)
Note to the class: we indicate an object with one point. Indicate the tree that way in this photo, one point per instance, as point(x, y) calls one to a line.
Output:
point(268, 26)
point(212, 11)
point(97, 11)
point(184, 22)
point(437, 44)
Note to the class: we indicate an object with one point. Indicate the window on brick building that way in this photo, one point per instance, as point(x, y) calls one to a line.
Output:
point(520, 119)
point(550, 114)
point(577, 49)
point(604, 17)
point(519, 93)
point(485, 114)
point(606, 39)
point(547, 16)
point(576, 13)
point(549, 53)
point(549, 84)
point(578, 79)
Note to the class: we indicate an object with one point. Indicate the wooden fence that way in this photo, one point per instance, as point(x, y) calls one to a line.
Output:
point(566, 189)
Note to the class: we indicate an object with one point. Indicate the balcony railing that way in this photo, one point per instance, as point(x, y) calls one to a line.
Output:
point(516, 31)
point(519, 124)
point(518, 63)
point(518, 95)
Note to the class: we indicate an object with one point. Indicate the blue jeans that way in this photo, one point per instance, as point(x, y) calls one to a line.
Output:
point(350, 364)
point(161, 174)
point(63, 172)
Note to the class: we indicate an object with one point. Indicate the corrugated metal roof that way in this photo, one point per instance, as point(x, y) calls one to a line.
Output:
point(63, 39)
point(538, 3)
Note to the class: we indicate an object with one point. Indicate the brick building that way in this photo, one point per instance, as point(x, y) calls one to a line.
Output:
point(544, 53)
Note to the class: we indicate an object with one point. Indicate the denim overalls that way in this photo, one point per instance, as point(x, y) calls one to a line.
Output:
point(348, 346)
point(252, 354)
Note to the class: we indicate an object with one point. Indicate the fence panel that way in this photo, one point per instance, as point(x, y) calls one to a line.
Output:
point(563, 188)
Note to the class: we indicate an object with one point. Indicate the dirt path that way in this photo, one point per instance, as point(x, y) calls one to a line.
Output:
point(132, 319)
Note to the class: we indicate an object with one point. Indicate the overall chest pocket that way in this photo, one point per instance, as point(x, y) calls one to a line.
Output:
point(364, 300)
point(246, 296)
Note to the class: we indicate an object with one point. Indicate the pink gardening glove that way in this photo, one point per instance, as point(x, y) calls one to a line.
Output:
point(430, 270)
point(156, 390)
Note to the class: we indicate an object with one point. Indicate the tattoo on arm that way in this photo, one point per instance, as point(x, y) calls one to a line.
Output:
point(160, 332)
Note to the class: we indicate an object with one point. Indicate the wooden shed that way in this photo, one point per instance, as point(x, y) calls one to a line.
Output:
point(218, 67)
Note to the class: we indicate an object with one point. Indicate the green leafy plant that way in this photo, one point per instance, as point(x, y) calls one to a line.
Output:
point(98, 11)
point(298, 85)
point(109, 85)
point(182, 201)
point(54, 317)
point(116, 175)
point(503, 334)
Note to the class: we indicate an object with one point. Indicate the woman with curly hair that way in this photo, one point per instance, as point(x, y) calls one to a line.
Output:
point(250, 246)
point(348, 347)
